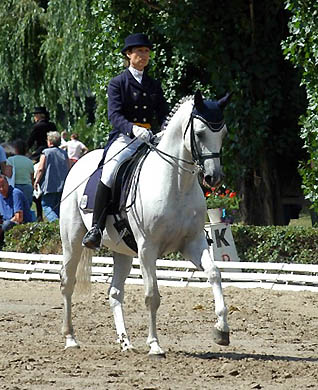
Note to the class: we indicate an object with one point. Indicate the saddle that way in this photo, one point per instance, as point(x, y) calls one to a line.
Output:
point(127, 174)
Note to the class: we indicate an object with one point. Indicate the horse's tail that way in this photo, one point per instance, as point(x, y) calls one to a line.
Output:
point(83, 272)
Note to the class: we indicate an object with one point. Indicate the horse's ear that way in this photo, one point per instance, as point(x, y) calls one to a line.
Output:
point(198, 101)
point(224, 100)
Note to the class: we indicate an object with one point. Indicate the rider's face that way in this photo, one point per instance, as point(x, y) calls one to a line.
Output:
point(139, 57)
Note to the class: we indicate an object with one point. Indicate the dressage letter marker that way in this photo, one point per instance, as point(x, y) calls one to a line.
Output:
point(223, 243)
point(220, 238)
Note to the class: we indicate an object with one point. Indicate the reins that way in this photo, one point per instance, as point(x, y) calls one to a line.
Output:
point(197, 157)
point(176, 160)
point(88, 177)
point(83, 181)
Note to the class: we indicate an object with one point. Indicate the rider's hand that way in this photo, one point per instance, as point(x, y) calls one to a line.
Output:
point(157, 137)
point(141, 133)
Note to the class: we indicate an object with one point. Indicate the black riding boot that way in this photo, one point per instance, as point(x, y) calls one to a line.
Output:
point(93, 237)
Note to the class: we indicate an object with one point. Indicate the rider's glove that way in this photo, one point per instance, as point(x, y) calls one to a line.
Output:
point(141, 133)
point(157, 137)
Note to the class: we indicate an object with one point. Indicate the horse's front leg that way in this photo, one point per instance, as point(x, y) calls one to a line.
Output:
point(122, 267)
point(198, 252)
point(148, 259)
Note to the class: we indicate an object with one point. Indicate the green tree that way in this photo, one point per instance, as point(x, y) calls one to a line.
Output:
point(46, 54)
point(22, 31)
point(13, 123)
point(301, 48)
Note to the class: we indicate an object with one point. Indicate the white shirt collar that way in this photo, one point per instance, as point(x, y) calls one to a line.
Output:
point(137, 74)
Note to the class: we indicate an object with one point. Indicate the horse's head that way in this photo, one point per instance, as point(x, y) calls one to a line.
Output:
point(207, 131)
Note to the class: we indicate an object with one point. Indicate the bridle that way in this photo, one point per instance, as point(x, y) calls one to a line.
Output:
point(197, 156)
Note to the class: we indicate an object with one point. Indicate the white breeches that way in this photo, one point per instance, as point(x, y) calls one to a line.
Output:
point(111, 162)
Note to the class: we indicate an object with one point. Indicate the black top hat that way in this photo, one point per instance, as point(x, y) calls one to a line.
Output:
point(135, 40)
point(40, 110)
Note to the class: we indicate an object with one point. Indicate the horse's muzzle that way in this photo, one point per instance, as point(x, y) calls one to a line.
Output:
point(213, 180)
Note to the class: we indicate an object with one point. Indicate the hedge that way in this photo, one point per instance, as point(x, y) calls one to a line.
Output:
point(277, 244)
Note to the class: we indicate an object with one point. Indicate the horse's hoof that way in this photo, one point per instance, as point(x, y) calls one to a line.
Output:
point(221, 338)
point(71, 343)
point(75, 346)
point(157, 356)
point(130, 349)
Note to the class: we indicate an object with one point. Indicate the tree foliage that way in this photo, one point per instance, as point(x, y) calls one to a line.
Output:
point(67, 52)
point(45, 55)
point(22, 31)
point(13, 123)
point(301, 48)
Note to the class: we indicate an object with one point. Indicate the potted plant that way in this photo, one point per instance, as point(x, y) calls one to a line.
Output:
point(221, 204)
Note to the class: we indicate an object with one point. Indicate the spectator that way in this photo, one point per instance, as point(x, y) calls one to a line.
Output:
point(63, 139)
point(51, 174)
point(24, 170)
point(75, 149)
point(14, 207)
point(39, 132)
point(5, 168)
point(38, 198)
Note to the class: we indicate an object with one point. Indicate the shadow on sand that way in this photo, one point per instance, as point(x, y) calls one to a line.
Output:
point(242, 356)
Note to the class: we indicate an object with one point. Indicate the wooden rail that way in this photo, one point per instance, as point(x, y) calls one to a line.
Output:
point(178, 273)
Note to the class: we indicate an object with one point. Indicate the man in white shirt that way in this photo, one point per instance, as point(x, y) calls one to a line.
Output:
point(63, 138)
point(75, 149)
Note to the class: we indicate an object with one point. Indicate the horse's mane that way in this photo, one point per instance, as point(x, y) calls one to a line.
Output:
point(175, 109)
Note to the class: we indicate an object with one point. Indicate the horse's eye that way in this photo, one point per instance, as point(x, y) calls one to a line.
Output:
point(200, 132)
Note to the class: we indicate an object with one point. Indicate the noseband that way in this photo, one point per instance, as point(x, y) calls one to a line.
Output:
point(197, 156)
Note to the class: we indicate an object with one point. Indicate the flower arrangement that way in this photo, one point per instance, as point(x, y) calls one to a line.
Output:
point(222, 198)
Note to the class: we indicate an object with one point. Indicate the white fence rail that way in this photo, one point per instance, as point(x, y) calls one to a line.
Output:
point(179, 273)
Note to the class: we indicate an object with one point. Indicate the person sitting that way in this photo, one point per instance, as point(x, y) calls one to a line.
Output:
point(4, 167)
point(14, 207)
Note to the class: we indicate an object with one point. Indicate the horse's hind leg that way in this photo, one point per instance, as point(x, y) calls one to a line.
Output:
point(198, 252)
point(72, 232)
point(122, 267)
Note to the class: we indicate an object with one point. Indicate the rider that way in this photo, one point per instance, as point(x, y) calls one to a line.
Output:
point(134, 99)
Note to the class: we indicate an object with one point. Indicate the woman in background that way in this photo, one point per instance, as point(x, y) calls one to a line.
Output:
point(24, 170)
point(75, 149)
point(51, 174)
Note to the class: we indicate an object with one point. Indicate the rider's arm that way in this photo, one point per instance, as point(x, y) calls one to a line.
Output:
point(116, 109)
